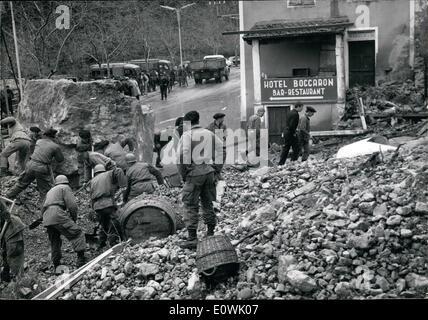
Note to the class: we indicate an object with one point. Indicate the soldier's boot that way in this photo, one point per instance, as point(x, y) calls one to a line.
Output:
point(81, 259)
point(210, 231)
point(192, 240)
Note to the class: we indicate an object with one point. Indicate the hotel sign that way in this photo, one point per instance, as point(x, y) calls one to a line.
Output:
point(295, 89)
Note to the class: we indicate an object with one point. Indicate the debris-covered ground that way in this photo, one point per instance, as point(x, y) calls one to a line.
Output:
point(355, 231)
point(348, 229)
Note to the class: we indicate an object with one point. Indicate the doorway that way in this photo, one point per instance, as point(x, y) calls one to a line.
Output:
point(276, 123)
point(361, 63)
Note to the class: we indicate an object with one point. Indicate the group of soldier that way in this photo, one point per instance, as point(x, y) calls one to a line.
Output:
point(106, 169)
point(165, 79)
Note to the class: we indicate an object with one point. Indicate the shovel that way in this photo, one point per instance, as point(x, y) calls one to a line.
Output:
point(6, 224)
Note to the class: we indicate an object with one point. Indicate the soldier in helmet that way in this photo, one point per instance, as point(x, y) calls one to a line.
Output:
point(19, 143)
point(140, 178)
point(39, 166)
point(103, 188)
point(59, 218)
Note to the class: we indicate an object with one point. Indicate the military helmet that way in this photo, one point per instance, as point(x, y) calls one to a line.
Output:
point(99, 168)
point(130, 158)
point(61, 179)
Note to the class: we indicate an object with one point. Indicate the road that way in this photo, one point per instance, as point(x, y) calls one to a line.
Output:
point(207, 98)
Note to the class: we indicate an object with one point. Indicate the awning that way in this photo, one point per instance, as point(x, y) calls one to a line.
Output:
point(294, 28)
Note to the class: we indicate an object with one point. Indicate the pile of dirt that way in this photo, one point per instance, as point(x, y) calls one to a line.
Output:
point(336, 229)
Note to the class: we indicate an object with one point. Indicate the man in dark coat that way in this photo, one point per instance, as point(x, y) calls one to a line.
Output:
point(39, 167)
point(290, 135)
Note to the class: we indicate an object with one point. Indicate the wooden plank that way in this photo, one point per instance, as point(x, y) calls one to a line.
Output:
point(338, 133)
point(56, 290)
point(362, 113)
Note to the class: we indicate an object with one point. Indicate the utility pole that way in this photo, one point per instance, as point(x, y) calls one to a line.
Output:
point(1, 69)
point(178, 11)
point(21, 92)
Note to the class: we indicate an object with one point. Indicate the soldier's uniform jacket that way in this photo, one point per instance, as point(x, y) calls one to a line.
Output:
point(98, 158)
point(16, 131)
point(59, 199)
point(116, 152)
point(103, 188)
point(14, 230)
point(44, 152)
point(139, 175)
point(200, 163)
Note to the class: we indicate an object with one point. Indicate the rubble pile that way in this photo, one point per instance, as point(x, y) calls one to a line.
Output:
point(389, 97)
point(335, 229)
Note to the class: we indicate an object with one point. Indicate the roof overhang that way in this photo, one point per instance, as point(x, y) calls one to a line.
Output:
point(276, 29)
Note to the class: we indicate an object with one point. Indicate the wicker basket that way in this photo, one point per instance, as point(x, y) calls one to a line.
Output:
point(216, 258)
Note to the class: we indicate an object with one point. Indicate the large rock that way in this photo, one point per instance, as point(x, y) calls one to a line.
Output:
point(94, 105)
point(301, 281)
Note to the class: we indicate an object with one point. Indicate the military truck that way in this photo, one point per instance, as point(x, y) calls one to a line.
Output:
point(211, 67)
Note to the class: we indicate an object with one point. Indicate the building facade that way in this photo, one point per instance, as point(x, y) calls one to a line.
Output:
point(313, 50)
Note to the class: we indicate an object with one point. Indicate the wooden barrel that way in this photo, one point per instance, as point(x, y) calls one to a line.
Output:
point(216, 259)
point(147, 216)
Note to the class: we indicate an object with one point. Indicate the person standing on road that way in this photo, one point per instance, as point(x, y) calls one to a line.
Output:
point(164, 82)
point(104, 185)
point(12, 245)
point(255, 123)
point(57, 221)
point(200, 172)
point(290, 135)
point(140, 178)
point(39, 167)
point(20, 144)
point(304, 130)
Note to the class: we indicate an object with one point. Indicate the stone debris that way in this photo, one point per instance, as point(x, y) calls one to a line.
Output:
point(331, 235)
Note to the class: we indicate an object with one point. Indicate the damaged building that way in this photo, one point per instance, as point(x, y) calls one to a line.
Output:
point(313, 50)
